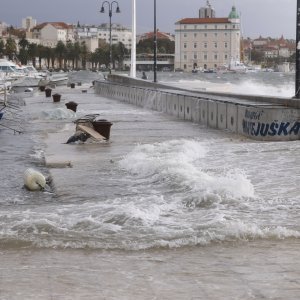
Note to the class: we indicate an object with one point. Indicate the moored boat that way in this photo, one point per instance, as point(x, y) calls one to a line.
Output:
point(25, 84)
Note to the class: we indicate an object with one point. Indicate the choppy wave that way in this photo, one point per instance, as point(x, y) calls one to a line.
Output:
point(264, 84)
point(172, 202)
point(59, 113)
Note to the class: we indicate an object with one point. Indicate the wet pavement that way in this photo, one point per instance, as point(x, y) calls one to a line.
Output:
point(262, 269)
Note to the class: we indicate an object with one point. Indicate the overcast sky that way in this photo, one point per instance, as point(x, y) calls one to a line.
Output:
point(259, 17)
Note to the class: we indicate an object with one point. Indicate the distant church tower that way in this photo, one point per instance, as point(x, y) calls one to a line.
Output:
point(207, 11)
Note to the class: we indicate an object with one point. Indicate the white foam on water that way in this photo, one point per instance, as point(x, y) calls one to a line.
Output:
point(251, 87)
point(59, 113)
point(175, 162)
point(172, 202)
point(280, 86)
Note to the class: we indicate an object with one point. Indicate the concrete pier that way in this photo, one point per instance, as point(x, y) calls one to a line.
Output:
point(259, 118)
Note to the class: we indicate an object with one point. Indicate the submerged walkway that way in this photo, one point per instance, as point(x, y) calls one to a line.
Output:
point(240, 270)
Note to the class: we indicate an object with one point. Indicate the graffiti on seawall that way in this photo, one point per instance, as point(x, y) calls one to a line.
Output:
point(271, 129)
point(252, 125)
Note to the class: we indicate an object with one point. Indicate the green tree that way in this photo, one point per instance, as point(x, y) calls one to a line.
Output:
point(100, 57)
point(23, 56)
point(163, 46)
point(60, 52)
point(70, 53)
point(32, 52)
point(48, 54)
point(10, 48)
point(84, 54)
point(145, 46)
point(41, 53)
point(257, 56)
point(23, 43)
point(119, 51)
point(23, 52)
point(2, 48)
point(77, 53)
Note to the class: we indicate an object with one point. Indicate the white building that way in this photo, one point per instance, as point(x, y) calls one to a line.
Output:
point(91, 43)
point(3, 27)
point(207, 42)
point(119, 33)
point(28, 23)
point(51, 32)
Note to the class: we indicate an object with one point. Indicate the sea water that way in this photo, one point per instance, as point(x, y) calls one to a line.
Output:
point(171, 192)
point(159, 184)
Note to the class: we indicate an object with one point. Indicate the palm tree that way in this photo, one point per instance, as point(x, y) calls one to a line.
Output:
point(41, 53)
point(84, 54)
point(23, 52)
point(2, 48)
point(70, 53)
point(23, 56)
point(32, 52)
point(23, 43)
point(10, 48)
point(60, 52)
point(48, 54)
point(119, 51)
point(93, 59)
point(77, 53)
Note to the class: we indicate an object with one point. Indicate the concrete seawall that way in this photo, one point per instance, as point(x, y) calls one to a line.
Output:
point(259, 118)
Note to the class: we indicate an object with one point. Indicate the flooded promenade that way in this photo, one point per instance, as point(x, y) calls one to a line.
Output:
point(166, 209)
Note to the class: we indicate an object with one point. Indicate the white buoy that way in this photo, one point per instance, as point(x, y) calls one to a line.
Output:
point(34, 180)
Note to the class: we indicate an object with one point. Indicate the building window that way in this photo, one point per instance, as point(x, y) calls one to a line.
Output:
point(225, 33)
point(216, 34)
point(195, 35)
point(195, 55)
point(185, 57)
point(205, 34)
point(225, 26)
point(233, 26)
point(216, 44)
point(184, 26)
point(195, 27)
point(185, 45)
point(225, 56)
point(216, 56)
point(205, 26)
point(205, 45)
point(195, 45)
point(185, 34)
point(205, 56)
point(225, 45)
point(184, 66)
point(216, 26)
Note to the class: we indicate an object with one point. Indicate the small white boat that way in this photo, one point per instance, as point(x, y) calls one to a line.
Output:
point(55, 79)
point(10, 70)
point(237, 66)
point(31, 71)
point(25, 84)
point(58, 78)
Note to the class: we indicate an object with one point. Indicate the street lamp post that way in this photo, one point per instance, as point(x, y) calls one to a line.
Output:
point(110, 6)
point(155, 45)
point(133, 41)
point(297, 83)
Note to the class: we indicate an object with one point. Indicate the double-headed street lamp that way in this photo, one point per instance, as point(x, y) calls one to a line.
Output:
point(110, 6)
